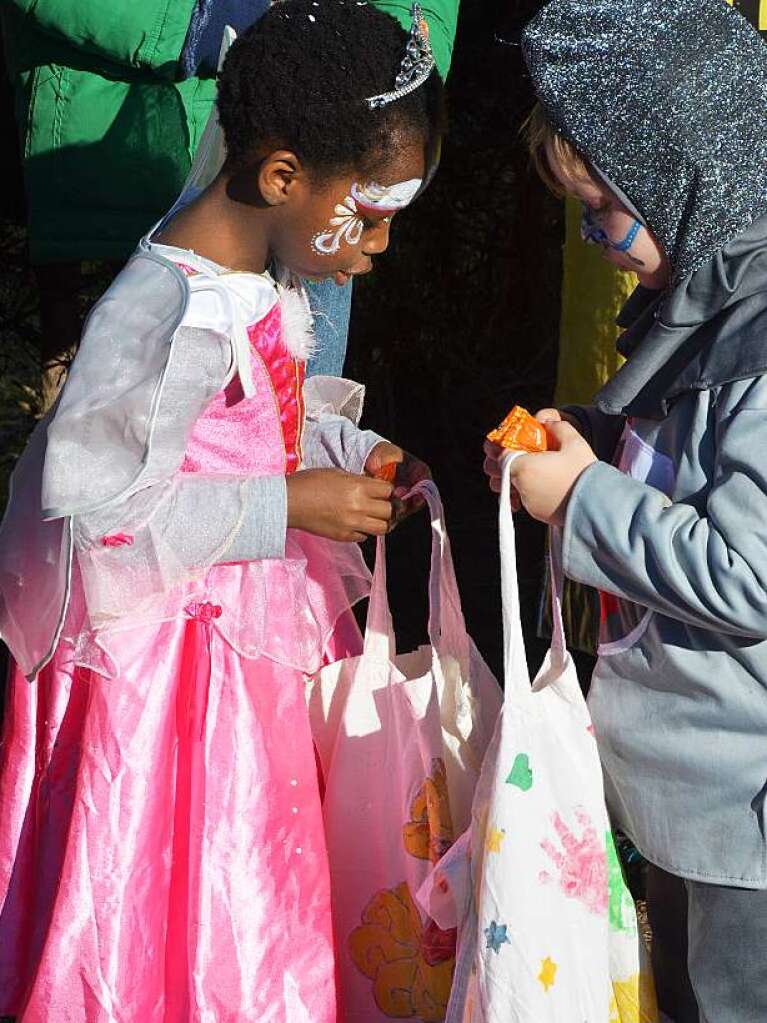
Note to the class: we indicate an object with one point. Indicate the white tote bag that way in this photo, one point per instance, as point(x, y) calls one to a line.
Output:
point(549, 931)
point(401, 740)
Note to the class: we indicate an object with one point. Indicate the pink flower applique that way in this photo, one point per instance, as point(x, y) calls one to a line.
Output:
point(203, 611)
point(117, 540)
point(581, 863)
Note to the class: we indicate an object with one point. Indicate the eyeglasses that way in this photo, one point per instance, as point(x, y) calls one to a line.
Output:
point(593, 234)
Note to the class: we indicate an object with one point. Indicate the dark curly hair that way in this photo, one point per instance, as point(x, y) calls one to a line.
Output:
point(298, 80)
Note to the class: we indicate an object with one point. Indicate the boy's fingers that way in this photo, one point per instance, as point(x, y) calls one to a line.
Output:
point(490, 466)
point(519, 463)
point(548, 415)
point(562, 433)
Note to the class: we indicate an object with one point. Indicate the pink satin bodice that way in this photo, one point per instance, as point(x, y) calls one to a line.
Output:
point(282, 608)
point(259, 435)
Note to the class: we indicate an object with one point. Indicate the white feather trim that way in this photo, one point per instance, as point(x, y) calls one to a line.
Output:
point(297, 322)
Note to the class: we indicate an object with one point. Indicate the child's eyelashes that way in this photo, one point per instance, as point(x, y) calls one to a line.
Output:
point(370, 224)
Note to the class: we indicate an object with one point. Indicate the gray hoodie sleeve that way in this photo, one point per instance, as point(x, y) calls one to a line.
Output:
point(705, 568)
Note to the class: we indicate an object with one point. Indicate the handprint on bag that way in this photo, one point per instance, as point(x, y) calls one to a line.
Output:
point(582, 865)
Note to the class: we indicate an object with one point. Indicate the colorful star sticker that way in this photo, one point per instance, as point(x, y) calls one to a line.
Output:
point(548, 973)
point(494, 839)
point(496, 936)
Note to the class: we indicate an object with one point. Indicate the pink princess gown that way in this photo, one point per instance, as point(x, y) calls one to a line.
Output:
point(162, 855)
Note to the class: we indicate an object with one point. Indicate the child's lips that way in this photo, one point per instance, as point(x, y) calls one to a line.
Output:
point(342, 277)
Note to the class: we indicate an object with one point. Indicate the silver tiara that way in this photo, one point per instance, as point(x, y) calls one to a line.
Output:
point(416, 66)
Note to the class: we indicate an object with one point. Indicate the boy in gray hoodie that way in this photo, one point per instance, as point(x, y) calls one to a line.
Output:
point(654, 114)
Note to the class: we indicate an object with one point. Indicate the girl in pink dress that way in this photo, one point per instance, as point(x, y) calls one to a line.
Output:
point(178, 554)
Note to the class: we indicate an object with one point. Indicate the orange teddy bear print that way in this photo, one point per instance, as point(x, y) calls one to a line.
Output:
point(411, 962)
point(411, 966)
point(429, 832)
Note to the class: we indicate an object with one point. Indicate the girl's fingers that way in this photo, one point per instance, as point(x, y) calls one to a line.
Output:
point(375, 527)
point(378, 489)
point(382, 510)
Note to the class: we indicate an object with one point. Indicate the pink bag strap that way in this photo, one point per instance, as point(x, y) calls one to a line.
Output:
point(379, 628)
point(447, 629)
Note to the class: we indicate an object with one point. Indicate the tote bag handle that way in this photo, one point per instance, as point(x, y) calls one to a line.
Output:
point(447, 628)
point(557, 578)
point(515, 663)
point(516, 675)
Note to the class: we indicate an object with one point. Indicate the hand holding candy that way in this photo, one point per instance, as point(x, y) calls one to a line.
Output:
point(519, 432)
point(394, 465)
point(544, 481)
point(338, 505)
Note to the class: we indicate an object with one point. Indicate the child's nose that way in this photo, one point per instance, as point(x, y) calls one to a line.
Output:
point(376, 240)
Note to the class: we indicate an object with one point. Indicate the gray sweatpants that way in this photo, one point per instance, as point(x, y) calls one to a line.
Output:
point(709, 950)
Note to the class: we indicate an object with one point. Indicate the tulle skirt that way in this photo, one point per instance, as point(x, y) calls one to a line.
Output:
point(162, 856)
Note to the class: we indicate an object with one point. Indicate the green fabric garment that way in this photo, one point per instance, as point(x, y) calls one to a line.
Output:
point(442, 17)
point(107, 132)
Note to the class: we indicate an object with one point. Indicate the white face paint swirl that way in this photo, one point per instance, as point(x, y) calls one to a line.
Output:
point(347, 222)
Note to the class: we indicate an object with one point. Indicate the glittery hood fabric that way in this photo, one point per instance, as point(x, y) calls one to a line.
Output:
point(668, 101)
point(668, 98)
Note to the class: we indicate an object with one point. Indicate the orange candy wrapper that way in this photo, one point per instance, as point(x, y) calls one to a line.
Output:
point(387, 472)
point(519, 432)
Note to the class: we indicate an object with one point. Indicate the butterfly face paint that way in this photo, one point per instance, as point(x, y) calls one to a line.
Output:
point(348, 220)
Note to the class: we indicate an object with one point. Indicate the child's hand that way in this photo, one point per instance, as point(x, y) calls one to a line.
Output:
point(493, 457)
point(494, 453)
point(339, 505)
point(408, 470)
point(544, 481)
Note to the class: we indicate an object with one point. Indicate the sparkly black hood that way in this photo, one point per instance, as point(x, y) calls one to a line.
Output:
point(668, 99)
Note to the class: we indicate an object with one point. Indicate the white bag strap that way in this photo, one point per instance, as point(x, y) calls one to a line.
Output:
point(557, 578)
point(516, 675)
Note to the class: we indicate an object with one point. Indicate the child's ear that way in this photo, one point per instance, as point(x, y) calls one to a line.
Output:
point(278, 176)
point(269, 182)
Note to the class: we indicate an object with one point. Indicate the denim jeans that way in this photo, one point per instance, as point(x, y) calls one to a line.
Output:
point(331, 306)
